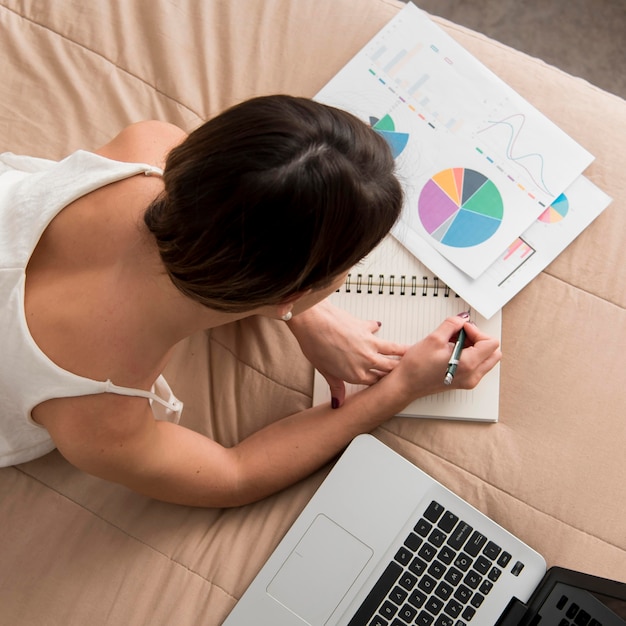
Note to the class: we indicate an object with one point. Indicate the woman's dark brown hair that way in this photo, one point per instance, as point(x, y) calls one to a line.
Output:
point(274, 196)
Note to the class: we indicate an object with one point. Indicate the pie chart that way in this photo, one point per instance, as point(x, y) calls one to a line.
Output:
point(556, 211)
point(460, 207)
point(385, 126)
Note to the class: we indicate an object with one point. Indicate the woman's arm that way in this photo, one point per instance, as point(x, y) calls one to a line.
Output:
point(174, 464)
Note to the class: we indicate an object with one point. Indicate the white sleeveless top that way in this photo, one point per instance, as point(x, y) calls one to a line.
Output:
point(32, 192)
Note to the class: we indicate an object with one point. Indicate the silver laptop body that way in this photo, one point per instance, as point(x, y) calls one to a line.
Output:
point(367, 520)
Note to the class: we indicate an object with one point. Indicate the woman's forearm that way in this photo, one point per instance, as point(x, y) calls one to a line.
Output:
point(184, 467)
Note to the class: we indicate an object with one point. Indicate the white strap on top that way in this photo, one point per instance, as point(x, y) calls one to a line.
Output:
point(173, 405)
point(153, 171)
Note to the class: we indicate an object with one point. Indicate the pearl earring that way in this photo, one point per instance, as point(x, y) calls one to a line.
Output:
point(287, 316)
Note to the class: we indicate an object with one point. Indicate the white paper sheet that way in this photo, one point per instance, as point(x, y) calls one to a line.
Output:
point(478, 163)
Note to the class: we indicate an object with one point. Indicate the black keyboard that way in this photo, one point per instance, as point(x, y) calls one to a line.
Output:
point(440, 576)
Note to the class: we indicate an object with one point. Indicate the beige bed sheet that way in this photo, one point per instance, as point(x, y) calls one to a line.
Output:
point(75, 550)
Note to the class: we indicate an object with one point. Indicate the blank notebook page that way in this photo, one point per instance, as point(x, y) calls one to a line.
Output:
point(391, 286)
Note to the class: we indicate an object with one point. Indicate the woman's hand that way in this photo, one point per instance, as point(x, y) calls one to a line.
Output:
point(344, 348)
point(422, 370)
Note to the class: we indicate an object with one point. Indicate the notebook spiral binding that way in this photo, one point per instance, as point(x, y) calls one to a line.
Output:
point(403, 285)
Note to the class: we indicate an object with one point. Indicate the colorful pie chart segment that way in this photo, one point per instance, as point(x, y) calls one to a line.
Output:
point(556, 211)
point(460, 207)
point(385, 126)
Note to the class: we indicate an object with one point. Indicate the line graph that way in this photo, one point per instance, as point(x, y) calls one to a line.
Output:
point(533, 163)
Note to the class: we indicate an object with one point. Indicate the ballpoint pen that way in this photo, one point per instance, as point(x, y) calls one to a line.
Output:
point(455, 357)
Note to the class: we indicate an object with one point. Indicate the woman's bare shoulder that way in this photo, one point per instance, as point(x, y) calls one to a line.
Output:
point(144, 142)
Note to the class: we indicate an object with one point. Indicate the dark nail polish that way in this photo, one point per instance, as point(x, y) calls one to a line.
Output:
point(334, 403)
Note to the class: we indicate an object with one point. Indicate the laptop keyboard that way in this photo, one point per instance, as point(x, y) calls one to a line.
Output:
point(439, 577)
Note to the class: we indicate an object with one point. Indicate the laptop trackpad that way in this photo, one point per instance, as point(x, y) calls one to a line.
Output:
point(320, 570)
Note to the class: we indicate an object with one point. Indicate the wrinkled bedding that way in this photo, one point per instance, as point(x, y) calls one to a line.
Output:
point(76, 550)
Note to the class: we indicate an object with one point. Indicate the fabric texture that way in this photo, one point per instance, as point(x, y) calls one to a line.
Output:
point(32, 193)
point(551, 470)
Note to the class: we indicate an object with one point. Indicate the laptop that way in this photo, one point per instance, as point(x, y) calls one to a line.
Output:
point(381, 543)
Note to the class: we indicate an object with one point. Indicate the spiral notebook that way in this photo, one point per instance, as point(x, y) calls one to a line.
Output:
point(391, 286)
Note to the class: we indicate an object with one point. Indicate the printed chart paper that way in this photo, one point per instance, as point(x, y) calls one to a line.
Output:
point(478, 163)
point(528, 254)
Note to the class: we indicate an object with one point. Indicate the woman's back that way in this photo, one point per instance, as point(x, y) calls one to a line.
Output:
point(74, 257)
point(86, 276)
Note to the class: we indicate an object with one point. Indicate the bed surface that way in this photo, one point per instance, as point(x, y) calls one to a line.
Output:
point(76, 550)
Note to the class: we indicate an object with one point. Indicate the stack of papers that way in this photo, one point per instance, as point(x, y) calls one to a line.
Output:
point(493, 189)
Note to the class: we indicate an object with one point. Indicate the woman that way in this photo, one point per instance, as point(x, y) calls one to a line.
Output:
point(106, 265)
